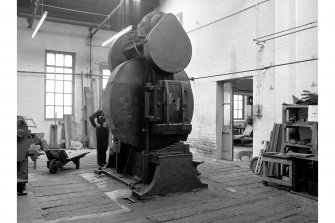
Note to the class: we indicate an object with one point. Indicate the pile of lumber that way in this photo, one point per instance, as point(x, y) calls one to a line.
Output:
point(274, 146)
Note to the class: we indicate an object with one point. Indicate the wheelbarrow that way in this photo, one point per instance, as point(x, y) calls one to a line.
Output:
point(57, 158)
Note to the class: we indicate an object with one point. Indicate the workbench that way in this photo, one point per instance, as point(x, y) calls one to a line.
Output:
point(305, 174)
point(302, 172)
point(278, 179)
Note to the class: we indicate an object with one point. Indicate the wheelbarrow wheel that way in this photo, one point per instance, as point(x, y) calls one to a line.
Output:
point(78, 164)
point(253, 164)
point(21, 187)
point(53, 166)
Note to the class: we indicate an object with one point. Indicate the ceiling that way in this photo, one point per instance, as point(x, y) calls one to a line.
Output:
point(66, 11)
point(243, 85)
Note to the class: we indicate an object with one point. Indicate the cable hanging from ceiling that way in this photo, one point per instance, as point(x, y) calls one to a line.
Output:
point(74, 10)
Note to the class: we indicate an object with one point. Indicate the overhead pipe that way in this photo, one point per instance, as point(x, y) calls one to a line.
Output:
point(106, 19)
point(256, 69)
point(33, 16)
point(262, 42)
point(226, 17)
point(258, 38)
point(72, 74)
point(90, 39)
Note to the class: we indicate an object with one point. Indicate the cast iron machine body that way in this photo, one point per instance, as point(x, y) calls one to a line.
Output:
point(24, 141)
point(148, 106)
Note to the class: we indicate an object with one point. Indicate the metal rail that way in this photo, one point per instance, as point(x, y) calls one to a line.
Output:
point(75, 74)
point(256, 39)
point(228, 16)
point(256, 69)
point(260, 41)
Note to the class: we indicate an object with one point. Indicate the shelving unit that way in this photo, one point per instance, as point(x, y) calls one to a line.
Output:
point(300, 136)
point(297, 128)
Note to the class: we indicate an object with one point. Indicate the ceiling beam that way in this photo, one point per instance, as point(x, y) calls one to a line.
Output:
point(33, 15)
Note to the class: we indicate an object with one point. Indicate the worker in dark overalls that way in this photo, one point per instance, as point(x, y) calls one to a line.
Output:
point(97, 119)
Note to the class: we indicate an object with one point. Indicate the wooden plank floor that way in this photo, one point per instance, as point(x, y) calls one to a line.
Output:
point(234, 194)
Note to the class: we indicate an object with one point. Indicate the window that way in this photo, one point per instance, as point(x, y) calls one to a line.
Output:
point(105, 72)
point(180, 18)
point(58, 84)
point(105, 76)
point(238, 107)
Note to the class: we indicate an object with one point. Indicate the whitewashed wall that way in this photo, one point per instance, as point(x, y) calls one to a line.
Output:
point(31, 57)
point(222, 33)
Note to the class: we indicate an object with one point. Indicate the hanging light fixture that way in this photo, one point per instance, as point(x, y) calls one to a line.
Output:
point(39, 23)
point(117, 35)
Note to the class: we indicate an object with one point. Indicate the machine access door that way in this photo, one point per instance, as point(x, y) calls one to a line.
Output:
point(227, 124)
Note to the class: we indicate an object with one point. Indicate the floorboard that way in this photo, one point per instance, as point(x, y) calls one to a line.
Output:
point(234, 194)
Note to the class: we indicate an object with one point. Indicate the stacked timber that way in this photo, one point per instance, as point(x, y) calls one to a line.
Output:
point(273, 147)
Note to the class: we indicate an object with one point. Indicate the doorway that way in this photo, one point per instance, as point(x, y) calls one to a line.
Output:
point(235, 119)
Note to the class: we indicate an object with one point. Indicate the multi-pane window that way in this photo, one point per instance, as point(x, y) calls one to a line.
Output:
point(58, 84)
point(180, 18)
point(238, 106)
point(105, 76)
point(103, 82)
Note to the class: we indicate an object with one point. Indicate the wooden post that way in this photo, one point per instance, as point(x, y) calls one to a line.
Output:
point(69, 128)
point(89, 111)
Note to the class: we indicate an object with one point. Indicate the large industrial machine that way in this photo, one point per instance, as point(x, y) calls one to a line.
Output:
point(148, 106)
point(24, 141)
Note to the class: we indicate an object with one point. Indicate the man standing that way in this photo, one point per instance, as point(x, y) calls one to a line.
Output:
point(98, 121)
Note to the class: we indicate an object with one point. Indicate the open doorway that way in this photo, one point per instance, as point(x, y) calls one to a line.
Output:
point(234, 129)
point(243, 119)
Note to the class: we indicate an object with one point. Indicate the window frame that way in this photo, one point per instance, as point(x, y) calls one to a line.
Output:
point(243, 107)
point(45, 81)
point(103, 66)
point(179, 16)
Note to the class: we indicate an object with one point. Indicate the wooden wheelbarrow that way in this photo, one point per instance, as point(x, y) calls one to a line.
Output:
point(57, 158)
